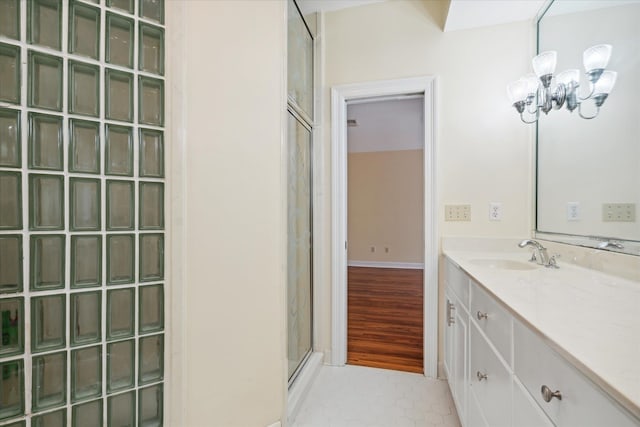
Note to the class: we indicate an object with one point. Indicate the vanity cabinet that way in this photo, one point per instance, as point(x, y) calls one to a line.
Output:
point(497, 367)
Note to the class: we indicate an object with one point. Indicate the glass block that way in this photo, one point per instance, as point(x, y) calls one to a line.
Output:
point(151, 257)
point(151, 359)
point(126, 5)
point(49, 381)
point(10, 263)
point(10, 142)
point(120, 259)
point(122, 410)
point(152, 9)
point(45, 81)
point(84, 146)
point(150, 411)
point(46, 207)
point(83, 88)
point(119, 150)
point(44, 21)
point(47, 323)
point(151, 302)
point(120, 373)
point(9, 73)
point(12, 326)
point(45, 142)
point(86, 373)
point(51, 419)
point(151, 50)
point(10, 200)
point(86, 317)
point(119, 95)
point(120, 205)
point(86, 261)
point(119, 40)
point(87, 414)
point(84, 30)
point(120, 313)
point(11, 389)
point(151, 101)
point(84, 204)
point(10, 18)
point(47, 261)
point(151, 153)
point(151, 206)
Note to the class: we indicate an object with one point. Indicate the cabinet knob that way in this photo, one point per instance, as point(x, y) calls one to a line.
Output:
point(547, 394)
point(480, 315)
point(481, 376)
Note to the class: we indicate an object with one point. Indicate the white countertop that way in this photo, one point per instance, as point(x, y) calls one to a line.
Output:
point(591, 318)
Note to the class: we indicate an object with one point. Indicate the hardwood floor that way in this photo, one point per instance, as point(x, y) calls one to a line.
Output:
point(385, 317)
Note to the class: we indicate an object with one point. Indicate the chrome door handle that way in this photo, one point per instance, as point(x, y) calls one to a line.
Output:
point(547, 394)
point(481, 376)
point(450, 317)
point(480, 315)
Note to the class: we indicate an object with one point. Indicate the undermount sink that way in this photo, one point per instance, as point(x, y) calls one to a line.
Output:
point(503, 264)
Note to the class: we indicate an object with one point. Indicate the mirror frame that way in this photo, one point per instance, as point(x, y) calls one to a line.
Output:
point(630, 247)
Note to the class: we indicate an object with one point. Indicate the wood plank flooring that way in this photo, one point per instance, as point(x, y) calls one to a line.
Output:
point(385, 317)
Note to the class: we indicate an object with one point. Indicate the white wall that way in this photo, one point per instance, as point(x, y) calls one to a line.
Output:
point(226, 105)
point(483, 150)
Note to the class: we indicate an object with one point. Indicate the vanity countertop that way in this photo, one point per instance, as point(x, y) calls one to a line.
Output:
point(591, 318)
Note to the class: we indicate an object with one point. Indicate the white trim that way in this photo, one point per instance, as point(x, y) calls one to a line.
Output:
point(339, 97)
point(301, 386)
point(385, 264)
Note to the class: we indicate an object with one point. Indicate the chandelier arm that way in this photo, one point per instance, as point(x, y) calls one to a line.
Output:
point(587, 117)
point(533, 121)
point(593, 89)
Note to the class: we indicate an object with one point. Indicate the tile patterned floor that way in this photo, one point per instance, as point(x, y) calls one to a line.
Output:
point(354, 396)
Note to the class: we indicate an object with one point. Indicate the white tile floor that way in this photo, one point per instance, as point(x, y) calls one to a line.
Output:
point(354, 396)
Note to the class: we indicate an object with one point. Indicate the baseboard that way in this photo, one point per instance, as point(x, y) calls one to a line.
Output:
point(301, 386)
point(276, 424)
point(383, 264)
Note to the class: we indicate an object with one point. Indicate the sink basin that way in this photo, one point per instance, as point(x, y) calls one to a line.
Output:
point(503, 264)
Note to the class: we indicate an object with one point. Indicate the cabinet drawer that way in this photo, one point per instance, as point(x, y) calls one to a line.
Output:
point(458, 281)
point(526, 412)
point(493, 320)
point(582, 403)
point(474, 415)
point(490, 380)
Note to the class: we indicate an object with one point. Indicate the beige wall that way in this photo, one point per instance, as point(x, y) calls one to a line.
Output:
point(483, 150)
point(385, 207)
point(227, 106)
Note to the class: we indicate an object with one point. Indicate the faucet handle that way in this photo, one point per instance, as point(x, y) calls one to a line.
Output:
point(553, 261)
point(533, 257)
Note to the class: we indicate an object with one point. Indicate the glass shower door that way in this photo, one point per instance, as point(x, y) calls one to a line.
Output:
point(299, 283)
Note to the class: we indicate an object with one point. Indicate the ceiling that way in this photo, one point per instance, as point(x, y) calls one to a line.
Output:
point(463, 14)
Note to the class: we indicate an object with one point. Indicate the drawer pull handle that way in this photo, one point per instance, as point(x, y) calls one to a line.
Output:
point(451, 319)
point(547, 394)
point(481, 376)
point(480, 315)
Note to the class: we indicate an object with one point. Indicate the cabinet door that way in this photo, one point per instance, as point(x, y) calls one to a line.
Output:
point(526, 412)
point(460, 358)
point(448, 338)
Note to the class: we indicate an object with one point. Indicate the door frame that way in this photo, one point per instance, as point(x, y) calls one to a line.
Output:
point(339, 97)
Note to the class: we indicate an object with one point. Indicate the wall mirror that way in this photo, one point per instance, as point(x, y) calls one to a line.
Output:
point(588, 171)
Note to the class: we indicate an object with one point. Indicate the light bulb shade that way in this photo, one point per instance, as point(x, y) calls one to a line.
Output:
point(545, 63)
point(605, 83)
point(517, 91)
point(568, 76)
point(596, 57)
point(532, 83)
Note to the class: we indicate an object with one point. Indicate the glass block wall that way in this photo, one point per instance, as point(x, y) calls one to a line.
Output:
point(81, 212)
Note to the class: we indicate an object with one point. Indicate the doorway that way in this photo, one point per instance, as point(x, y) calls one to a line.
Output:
point(340, 96)
point(385, 152)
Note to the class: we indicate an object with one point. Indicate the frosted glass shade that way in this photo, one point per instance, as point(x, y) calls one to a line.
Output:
point(605, 83)
point(517, 91)
point(596, 57)
point(545, 63)
point(568, 76)
point(532, 83)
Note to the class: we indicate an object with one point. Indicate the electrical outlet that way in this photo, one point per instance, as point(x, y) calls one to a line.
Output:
point(619, 212)
point(573, 211)
point(495, 211)
point(457, 212)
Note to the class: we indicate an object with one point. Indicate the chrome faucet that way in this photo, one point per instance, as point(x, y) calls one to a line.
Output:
point(539, 253)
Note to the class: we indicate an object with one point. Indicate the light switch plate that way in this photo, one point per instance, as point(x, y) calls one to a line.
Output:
point(457, 212)
point(619, 212)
